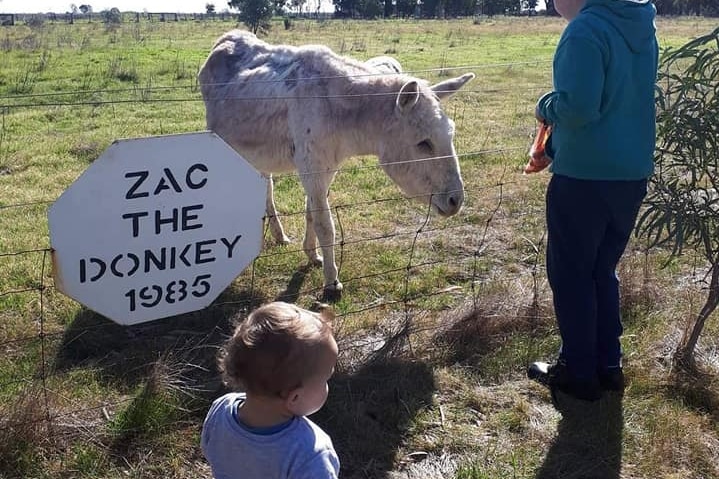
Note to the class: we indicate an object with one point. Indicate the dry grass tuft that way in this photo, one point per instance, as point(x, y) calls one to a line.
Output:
point(640, 288)
point(478, 327)
point(24, 433)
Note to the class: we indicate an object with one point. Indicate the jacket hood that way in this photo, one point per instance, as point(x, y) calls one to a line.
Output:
point(633, 19)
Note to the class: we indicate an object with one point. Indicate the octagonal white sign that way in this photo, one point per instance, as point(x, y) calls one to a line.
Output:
point(157, 226)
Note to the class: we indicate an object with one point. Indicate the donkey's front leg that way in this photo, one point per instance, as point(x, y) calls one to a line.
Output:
point(321, 227)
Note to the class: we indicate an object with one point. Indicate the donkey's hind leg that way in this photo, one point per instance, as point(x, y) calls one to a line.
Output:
point(275, 226)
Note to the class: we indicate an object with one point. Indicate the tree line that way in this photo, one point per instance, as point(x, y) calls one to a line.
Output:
point(256, 13)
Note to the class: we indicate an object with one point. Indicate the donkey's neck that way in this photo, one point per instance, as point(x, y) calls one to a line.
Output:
point(362, 116)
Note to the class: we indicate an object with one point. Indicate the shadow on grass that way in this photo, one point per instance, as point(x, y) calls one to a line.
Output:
point(368, 413)
point(588, 444)
point(125, 354)
point(476, 331)
point(698, 389)
point(292, 293)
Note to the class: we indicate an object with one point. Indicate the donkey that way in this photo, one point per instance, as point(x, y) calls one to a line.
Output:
point(306, 109)
point(385, 64)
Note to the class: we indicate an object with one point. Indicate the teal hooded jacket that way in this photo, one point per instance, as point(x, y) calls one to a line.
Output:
point(602, 108)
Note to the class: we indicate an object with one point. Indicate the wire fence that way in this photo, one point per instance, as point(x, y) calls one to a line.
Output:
point(10, 19)
point(436, 266)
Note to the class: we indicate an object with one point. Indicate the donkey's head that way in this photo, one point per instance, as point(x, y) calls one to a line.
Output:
point(417, 149)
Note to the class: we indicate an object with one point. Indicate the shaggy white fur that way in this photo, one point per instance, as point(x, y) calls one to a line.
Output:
point(286, 108)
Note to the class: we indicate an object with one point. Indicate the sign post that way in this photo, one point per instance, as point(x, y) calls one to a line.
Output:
point(157, 226)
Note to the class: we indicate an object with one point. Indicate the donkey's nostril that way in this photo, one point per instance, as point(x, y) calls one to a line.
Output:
point(453, 201)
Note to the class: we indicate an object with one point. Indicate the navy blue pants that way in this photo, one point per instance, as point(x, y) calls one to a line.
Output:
point(589, 224)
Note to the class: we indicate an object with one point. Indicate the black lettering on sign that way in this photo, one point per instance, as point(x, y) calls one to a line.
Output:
point(162, 184)
point(178, 219)
point(190, 171)
point(168, 181)
point(181, 219)
point(141, 177)
point(171, 220)
point(204, 255)
point(230, 245)
point(187, 218)
point(174, 292)
point(122, 265)
point(135, 217)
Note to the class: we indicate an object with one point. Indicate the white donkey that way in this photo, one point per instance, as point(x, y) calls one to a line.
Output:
point(286, 108)
point(385, 64)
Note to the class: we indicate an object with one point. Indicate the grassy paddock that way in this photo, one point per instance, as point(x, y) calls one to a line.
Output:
point(435, 327)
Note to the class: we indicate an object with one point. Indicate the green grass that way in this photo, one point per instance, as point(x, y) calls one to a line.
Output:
point(435, 327)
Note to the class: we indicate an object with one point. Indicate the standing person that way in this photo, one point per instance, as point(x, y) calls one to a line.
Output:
point(602, 115)
point(282, 357)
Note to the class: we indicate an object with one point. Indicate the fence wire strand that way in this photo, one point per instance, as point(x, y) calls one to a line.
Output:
point(406, 302)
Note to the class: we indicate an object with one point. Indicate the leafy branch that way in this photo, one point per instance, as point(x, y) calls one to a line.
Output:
point(682, 206)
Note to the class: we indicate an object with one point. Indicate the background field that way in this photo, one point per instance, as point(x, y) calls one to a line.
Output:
point(437, 323)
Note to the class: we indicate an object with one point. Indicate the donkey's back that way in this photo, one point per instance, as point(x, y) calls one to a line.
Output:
point(250, 87)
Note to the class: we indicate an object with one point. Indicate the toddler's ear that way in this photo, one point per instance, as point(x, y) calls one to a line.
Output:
point(294, 400)
point(326, 311)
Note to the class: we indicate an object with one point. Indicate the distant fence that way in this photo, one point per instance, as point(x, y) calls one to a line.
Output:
point(10, 19)
point(126, 17)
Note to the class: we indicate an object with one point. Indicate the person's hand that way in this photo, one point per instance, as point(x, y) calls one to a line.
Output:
point(538, 159)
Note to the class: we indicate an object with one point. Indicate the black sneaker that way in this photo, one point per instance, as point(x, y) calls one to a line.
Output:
point(556, 377)
point(612, 380)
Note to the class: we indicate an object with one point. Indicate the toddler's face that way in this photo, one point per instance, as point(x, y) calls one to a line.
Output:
point(568, 9)
point(313, 394)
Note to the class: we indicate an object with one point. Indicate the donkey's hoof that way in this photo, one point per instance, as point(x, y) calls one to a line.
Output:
point(332, 292)
point(315, 260)
point(284, 240)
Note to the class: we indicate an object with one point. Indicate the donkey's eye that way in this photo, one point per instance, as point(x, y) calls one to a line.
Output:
point(425, 146)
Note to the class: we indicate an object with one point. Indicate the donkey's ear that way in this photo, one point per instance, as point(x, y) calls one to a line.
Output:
point(408, 96)
point(447, 88)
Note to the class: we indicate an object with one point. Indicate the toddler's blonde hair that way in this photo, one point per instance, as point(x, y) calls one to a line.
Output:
point(275, 349)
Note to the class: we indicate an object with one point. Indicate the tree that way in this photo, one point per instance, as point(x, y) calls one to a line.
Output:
point(550, 8)
point(498, 7)
point(664, 7)
point(256, 14)
point(85, 9)
point(112, 16)
point(210, 8)
point(687, 7)
point(530, 6)
point(459, 8)
point(405, 8)
point(431, 8)
point(278, 6)
point(372, 9)
point(683, 201)
point(298, 5)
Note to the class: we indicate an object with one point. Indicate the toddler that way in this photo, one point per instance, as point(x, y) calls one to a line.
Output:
point(281, 356)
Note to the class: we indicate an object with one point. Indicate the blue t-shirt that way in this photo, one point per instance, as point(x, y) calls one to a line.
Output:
point(602, 107)
point(298, 450)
